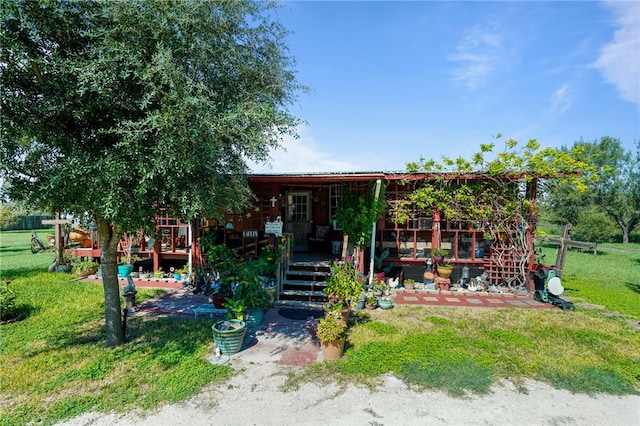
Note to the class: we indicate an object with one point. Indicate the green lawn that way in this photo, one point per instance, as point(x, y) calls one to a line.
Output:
point(54, 364)
point(610, 279)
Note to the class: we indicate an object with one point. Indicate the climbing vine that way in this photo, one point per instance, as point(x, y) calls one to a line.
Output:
point(495, 193)
point(358, 212)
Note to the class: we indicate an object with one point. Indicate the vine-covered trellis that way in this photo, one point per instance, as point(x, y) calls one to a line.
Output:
point(497, 196)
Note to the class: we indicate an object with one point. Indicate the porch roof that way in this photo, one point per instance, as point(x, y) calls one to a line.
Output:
point(329, 177)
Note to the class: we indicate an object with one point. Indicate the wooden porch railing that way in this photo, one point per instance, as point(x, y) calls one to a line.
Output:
point(283, 263)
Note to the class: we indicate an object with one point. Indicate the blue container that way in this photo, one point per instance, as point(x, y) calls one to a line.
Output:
point(125, 270)
point(385, 303)
point(228, 335)
point(254, 318)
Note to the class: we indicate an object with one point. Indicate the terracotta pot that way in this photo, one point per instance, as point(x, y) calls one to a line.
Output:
point(218, 301)
point(345, 315)
point(409, 286)
point(332, 351)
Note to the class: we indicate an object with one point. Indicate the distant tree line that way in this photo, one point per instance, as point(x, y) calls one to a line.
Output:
point(609, 210)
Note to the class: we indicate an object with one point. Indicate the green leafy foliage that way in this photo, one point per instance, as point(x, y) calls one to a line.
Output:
point(8, 308)
point(359, 210)
point(594, 225)
point(612, 179)
point(235, 308)
point(497, 195)
point(125, 108)
point(332, 327)
point(8, 215)
point(345, 284)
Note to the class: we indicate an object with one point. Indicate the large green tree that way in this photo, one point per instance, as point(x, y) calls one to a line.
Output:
point(126, 107)
point(614, 186)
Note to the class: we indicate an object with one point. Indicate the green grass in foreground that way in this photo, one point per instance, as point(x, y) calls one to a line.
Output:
point(470, 349)
point(54, 365)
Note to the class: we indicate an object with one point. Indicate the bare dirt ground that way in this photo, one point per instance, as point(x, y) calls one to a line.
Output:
point(252, 397)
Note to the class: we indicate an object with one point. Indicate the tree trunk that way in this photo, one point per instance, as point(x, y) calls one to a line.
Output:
point(625, 235)
point(624, 227)
point(109, 239)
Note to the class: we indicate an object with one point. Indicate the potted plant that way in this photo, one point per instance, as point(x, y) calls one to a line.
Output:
point(409, 284)
point(380, 269)
point(444, 270)
point(235, 308)
point(254, 297)
point(344, 284)
point(331, 331)
point(439, 254)
point(223, 260)
point(380, 287)
point(65, 263)
point(125, 267)
point(385, 302)
point(370, 302)
point(180, 272)
point(221, 291)
point(228, 335)
point(85, 268)
point(266, 264)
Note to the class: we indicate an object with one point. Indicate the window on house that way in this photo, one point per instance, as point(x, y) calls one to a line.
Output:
point(335, 202)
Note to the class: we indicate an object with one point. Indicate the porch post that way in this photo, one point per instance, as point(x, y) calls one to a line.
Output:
point(373, 235)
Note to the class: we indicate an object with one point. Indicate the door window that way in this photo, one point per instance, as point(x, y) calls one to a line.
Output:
point(298, 207)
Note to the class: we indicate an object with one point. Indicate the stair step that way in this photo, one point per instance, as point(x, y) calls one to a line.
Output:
point(304, 282)
point(303, 293)
point(299, 304)
point(307, 273)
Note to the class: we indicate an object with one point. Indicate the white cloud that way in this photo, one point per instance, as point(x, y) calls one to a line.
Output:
point(479, 54)
point(302, 155)
point(561, 99)
point(619, 60)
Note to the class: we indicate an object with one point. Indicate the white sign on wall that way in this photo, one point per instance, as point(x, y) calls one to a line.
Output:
point(273, 228)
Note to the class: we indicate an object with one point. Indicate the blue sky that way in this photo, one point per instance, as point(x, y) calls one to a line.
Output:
point(395, 81)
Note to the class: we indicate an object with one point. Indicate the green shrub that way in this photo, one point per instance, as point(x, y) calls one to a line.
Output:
point(8, 307)
point(595, 226)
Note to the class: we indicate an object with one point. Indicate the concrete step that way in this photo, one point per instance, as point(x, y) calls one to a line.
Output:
point(298, 304)
point(303, 293)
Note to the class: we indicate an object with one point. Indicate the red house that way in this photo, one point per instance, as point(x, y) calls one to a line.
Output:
point(306, 203)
